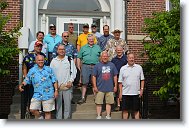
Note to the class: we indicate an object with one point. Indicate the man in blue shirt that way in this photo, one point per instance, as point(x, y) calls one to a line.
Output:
point(51, 40)
point(104, 78)
point(70, 49)
point(102, 41)
point(45, 88)
point(119, 60)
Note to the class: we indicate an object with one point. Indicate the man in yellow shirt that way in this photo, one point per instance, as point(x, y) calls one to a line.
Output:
point(82, 39)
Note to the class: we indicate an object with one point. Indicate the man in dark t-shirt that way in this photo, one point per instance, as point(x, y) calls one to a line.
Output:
point(104, 78)
point(119, 60)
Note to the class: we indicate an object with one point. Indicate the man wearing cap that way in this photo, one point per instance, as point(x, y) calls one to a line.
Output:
point(28, 63)
point(51, 40)
point(112, 43)
point(82, 39)
point(40, 37)
point(104, 38)
point(72, 36)
point(94, 31)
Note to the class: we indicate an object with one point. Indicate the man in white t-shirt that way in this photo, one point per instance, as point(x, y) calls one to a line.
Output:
point(131, 85)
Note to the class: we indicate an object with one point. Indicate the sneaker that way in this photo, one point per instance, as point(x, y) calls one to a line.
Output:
point(99, 117)
point(40, 118)
point(81, 101)
point(117, 108)
point(108, 117)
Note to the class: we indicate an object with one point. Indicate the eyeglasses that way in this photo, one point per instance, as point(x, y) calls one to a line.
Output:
point(65, 36)
point(53, 29)
point(71, 27)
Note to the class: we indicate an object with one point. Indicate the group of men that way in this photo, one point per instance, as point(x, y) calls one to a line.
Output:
point(53, 63)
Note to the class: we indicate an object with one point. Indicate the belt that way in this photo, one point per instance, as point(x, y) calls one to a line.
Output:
point(90, 64)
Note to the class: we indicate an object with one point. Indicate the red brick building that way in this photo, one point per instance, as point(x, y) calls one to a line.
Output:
point(127, 15)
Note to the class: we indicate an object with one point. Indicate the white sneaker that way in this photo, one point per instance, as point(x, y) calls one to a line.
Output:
point(40, 118)
point(108, 117)
point(99, 117)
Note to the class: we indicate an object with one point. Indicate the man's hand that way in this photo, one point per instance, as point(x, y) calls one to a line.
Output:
point(69, 84)
point(141, 92)
point(120, 96)
point(56, 94)
point(21, 87)
point(95, 89)
point(115, 89)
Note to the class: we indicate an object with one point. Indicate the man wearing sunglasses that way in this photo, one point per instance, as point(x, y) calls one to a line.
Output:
point(72, 39)
point(70, 49)
point(51, 40)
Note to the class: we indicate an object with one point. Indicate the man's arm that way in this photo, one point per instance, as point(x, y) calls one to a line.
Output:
point(94, 83)
point(24, 70)
point(120, 91)
point(141, 87)
point(115, 83)
point(56, 89)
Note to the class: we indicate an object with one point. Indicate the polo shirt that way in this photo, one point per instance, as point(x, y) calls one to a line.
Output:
point(52, 41)
point(72, 39)
point(89, 54)
point(82, 39)
point(130, 77)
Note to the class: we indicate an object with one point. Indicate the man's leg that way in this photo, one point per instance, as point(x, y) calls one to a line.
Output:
point(137, 115)
point(125, 114)
point(98, 109)
point(36, 113)
point(59, 106)
point(108, 109)
point(47, 115)
point(67, 96)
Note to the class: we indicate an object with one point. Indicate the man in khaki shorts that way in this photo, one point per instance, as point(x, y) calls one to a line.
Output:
point(45, 88)
point(104, 78)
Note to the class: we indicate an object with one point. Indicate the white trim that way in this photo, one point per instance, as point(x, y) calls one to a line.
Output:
point(137, 37)
point(104, 6)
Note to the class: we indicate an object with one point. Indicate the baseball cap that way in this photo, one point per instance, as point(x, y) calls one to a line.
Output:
point(52, 25)
point(38, 43)
point(85, 25)
point(93, 25)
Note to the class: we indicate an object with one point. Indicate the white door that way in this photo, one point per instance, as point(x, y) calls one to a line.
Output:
point(62, 24)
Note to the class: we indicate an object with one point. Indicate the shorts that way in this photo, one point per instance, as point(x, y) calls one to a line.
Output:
point(109, 97)
point(86, 72)
point(130, 103)
point(48, 105)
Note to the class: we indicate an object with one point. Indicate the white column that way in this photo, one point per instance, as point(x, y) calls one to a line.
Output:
point(30, 17)
point(118, 15)
point(43, 23)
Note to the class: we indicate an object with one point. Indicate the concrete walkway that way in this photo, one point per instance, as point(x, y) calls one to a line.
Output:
point(86, 111)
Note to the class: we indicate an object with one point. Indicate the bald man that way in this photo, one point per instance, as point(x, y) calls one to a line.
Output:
point(45, 88)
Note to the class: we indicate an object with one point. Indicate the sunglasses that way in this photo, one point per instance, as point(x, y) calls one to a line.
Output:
point(71, 27)
point(65, 36)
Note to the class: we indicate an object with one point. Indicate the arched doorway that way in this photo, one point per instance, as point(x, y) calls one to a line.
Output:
point(62, 12)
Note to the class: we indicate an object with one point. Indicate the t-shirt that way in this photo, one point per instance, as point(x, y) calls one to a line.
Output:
point(119, 62)
point(104, 73)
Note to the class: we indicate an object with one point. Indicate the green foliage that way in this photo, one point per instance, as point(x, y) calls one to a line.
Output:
point(164, 50)
point(8, 42)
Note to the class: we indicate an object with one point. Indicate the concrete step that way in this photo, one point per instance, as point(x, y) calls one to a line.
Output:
point(91, 115)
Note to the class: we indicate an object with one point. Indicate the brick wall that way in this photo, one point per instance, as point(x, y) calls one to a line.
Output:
point(7, 84)
point(137, 11)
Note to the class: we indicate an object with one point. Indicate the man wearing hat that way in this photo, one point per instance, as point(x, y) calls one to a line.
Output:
point(28, 63)
point(82, 39)
point(112, 43)
point(51, 40)
point(94, 30)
